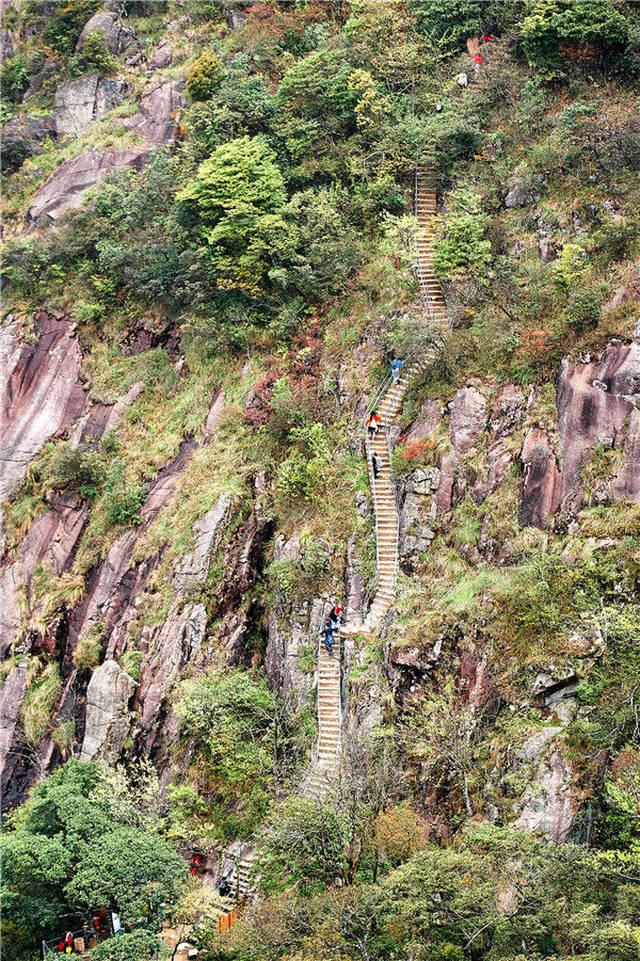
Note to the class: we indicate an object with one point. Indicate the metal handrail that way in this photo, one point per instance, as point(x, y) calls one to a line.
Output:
point(397, 502)
point(382, 388)
point(424, 289)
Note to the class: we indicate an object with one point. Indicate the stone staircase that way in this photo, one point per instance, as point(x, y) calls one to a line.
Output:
point(383, 487)
point(318, 781)
point(425, 212)
point(317, 784)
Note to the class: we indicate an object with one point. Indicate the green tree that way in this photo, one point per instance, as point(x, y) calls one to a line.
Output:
point(205, 74)
point(132, 871)
point(65, 851)
point(550, 25)
point(303, 846)
point(234, 202)
point(461, 249)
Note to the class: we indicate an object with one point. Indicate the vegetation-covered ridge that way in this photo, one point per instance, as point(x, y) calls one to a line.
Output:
point(208, 265)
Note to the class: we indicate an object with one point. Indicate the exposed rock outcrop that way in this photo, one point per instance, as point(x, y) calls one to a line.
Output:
point(11, 695)
point(162, 56)
point(79, 102)
point(159, 111)
point(549, 802)
point(23, 136)
point(66, 187)
point(40, 393)
point(468, 411)
point(597, 405)
point(167, 651)
point(207, 531)
point(53, 537)
point(117, 37)
point(542, 484)
point(107, 717)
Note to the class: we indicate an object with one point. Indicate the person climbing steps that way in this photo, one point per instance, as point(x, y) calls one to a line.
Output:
point(335, 617)
point(375, 466)
point(372, 424)
point(327, 638)
point(396, 367)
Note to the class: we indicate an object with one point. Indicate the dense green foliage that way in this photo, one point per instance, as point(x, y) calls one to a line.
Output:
point(72, 848)
point(265, 261)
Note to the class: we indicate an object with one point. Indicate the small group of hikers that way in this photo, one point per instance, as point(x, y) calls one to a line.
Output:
point(373, 421)
point(332, 627)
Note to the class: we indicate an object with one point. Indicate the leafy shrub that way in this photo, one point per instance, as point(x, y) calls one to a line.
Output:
point(131, 662)
point(304, 846)
point(228, 720)
point(204, 76)
point(583, 310)
point(123, 498)
point(72, 467)
point(61, 24)
point(461, 249)
point(15, 151)
point(233, 202)
point(616, 239)
point(130, 946)
point(15, 80)
point(94, 56)
point(554, 31)
point(35, 711)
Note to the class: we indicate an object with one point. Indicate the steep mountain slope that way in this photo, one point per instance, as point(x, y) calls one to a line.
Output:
point(211, 259)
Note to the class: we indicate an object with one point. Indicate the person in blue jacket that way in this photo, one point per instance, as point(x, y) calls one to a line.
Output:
point(396, 365)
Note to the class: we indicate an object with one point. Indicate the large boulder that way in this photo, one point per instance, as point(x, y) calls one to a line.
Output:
point(79, 102)
point(66, 187)
point(107, 719)
point(160, 108)
point(162, 56)
point(117, 37)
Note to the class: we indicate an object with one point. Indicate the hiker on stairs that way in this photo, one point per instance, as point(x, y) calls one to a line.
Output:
point(372, 423)
point(375, 465)
point(335, 617)
point(328, 638)
point(396, 366)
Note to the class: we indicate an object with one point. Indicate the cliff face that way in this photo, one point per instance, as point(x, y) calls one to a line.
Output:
point(112, 711)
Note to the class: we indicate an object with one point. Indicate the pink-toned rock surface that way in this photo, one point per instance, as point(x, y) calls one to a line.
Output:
point(40, 393)
point(160, 108)
point(11, 695)
point(112, 588)
point(542, 484)
point(426, 421)
point(67, 185)
point(468, 418)
point(596, 405)
point(549, 803)
point(507, 410)
point(167, 650)
point(52, 537)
